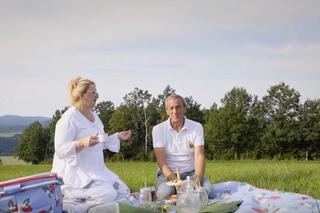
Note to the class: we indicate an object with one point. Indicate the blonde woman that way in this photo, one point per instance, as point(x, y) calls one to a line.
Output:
point(79, 143)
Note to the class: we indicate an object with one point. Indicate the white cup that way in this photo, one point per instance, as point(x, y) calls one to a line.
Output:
point(102, 137)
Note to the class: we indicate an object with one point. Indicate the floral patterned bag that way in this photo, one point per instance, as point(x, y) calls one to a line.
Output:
point(39, 193)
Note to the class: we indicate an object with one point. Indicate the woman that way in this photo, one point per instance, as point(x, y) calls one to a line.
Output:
point(79, 143)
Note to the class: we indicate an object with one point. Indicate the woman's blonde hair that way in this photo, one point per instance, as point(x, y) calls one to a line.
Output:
point(77, 87)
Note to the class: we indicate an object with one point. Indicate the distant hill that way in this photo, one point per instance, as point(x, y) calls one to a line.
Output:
point(15, 123)
point(11, 127)
point(8, 145)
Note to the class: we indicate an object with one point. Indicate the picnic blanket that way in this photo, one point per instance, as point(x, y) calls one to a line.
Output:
point(257, 200)
point(251, 198)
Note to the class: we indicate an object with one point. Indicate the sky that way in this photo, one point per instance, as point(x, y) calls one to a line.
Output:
point(201, 48)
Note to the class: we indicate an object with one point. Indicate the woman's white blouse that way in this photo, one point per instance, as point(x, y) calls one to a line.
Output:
point(79, 169)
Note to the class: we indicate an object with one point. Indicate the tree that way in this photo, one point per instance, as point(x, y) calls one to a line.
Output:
point(281, 109)
point(135, 112)
point(193, 110)
point(49, 134)
point(238, 103)
point(138, 101)
point(257, 127)
point(217, 139)
point(228, 128)
point(104, 110)
point(31, 147)
point(168, 90)
point(310, 128)
point(161, 102)
point(122, 120)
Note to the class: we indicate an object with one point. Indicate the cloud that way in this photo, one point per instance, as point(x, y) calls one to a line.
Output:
point(200, 48)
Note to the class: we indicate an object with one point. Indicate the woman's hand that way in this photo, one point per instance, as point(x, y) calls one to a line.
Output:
point(124, 135)
point(89, 141)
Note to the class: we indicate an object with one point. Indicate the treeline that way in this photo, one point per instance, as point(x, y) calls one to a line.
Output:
point(278, 126)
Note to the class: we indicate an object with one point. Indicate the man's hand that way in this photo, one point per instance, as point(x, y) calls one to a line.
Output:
point(197, 181)
point(171, 177)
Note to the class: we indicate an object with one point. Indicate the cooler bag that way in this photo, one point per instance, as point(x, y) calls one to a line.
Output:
point(39, 193)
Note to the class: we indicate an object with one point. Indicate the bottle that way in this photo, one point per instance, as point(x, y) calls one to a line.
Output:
point(188, 201)
point(189, 184)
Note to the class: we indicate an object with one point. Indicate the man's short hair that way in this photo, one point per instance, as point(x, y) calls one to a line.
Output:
point(175, 96)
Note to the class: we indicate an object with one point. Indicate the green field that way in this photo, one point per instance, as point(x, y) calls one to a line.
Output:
point(292, 176)
point(11, 160)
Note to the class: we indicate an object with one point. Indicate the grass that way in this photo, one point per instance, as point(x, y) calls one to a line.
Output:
point(291, 176)
point(11, 160)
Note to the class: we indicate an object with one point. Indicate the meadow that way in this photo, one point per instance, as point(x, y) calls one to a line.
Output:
point(11, 160)
point(291, 176)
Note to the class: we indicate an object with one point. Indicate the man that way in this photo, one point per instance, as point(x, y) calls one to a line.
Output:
point(179, 144)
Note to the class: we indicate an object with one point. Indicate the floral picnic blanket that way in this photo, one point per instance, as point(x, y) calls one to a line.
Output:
point(256, 200)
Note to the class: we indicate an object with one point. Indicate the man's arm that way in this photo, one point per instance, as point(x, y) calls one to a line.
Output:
point(162, 163)
point(199, 163)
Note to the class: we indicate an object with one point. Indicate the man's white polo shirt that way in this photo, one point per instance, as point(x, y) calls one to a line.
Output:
point(179, 146)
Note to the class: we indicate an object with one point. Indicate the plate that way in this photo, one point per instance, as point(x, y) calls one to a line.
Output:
point(174, 183)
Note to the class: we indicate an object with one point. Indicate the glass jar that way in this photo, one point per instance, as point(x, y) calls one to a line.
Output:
point(145, 197)
point(203, 196)
point(189, 200)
